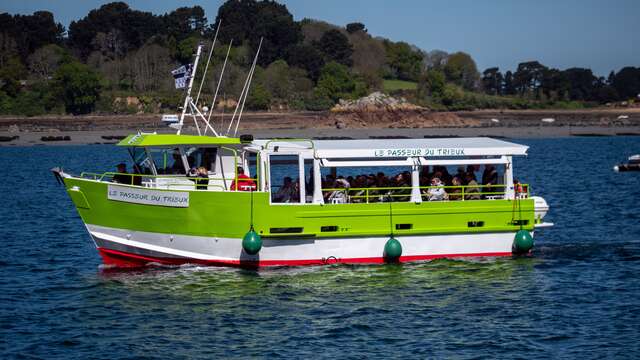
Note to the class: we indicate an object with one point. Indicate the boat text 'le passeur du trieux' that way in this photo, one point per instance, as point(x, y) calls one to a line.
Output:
point(221, 199)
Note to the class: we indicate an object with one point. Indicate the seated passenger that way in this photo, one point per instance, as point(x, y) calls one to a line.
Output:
point(122, 177)
point(339, 196)
point(455, 193)
point(245, 183)
point(202, 180)
point(286, 193)
point(436, 192)
point(472, 192)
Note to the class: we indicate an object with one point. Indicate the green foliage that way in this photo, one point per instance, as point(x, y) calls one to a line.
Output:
point(403, 62)
point(10, 75)
point(78, 87)
point(394, 85)
point(259, 98)
point(336, 82)
point(461, 70)
point(431, 86)
point(185, 49)
point(250, 20)
point(355, 27)
point(336, 47)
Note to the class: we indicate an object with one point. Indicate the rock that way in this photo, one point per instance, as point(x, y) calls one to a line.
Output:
point(14, 128)
point(376, 101)
point(340, 124)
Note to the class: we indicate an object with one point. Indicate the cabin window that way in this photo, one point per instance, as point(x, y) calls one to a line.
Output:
point(141, 162)
point(168, 161)
point(462, 182)
point(367, 184)
point(284, 179)
point(205, 157)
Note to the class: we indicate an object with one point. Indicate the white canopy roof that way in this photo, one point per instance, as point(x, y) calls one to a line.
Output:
point(400, 148)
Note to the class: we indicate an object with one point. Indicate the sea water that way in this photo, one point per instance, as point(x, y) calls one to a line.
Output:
point(577, 296)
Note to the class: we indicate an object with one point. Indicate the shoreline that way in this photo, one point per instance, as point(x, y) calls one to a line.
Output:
point(101, 129)
point(98, 136)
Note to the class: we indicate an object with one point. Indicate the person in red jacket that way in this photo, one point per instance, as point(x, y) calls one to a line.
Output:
point(245, 183)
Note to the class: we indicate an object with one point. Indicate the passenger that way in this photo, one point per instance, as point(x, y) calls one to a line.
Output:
point(245, 183)
point(202, 181)
point(455, 193)
point(286, 192)
point(122, 177)
point(177, 167)
point(339, 196)
point(403, 188)
point(358, 194)
point(460, 174)
point(490, 179)
point(472, 192)
point(436, 192)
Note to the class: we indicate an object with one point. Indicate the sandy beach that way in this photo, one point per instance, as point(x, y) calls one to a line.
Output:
point(107, 129)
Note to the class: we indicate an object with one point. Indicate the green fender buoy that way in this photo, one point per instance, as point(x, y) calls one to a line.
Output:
point(252, 242)
point(392, 249)
point(522, 242)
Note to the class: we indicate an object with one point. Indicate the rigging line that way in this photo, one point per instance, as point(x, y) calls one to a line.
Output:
point(235, 131)
point(244, 89)
point(215, 96)
point(204, 76)
point(390, 215)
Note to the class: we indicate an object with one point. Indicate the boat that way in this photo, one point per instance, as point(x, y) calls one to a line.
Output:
point(633, 164)
point(215, 198)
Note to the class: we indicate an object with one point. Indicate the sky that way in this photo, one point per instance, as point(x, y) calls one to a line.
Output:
point(600, 35)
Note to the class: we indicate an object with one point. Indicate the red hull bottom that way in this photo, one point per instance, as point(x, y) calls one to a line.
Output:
point(119, 259)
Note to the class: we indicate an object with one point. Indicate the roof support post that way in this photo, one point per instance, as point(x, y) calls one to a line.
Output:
point(508, 179)
point(317, 183)
point(416, 197)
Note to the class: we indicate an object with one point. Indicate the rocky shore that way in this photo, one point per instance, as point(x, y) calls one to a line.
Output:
point(345, 121)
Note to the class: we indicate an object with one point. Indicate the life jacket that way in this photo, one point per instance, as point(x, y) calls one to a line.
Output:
point(245, 183)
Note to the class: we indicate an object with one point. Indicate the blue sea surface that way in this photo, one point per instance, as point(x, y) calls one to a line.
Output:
point(577, 296)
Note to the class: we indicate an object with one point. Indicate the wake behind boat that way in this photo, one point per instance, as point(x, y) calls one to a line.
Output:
point(221, 199)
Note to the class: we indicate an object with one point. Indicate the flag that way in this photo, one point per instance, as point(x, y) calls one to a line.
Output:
point(181, 75)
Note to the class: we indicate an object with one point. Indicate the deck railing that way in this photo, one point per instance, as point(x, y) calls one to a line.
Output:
point(395, 194)
point(197, 181)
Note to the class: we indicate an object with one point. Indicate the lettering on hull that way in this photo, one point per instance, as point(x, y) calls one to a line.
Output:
point(148, 197)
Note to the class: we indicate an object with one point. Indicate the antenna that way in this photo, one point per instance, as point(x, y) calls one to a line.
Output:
point(245, 90)
point(204, 76)
point(215, 96)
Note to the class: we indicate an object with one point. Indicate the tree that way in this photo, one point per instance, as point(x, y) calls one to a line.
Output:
point(78, 87)
point(121, 29)
point(431, 85)
point(249, 20)
point(627, 82)
point(184, 22)
point(403, 61)
point(45, 61)
point(306, 57)
point(336, 82)
point(29, 32)
point(528, 77)
point(509, 87)
point(355, 27)
point(435, 59)
point(492, 81)
point(583, 84)
point(336, 47)
point(461, 70)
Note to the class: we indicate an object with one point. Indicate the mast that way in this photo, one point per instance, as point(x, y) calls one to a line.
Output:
point(187, 99)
